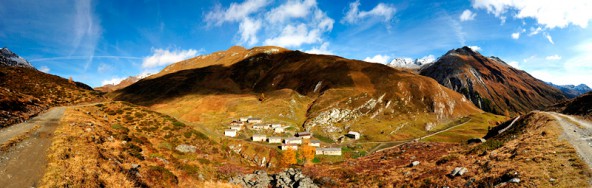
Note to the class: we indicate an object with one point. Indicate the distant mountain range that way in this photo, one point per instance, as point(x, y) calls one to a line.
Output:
point(490, 83)
point(411, 63)
point(572, 91)
point(124, 83)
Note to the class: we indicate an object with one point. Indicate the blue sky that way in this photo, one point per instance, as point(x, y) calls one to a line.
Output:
point(99, 42)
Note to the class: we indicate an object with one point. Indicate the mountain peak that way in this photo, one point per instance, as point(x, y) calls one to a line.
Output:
point(9, 58)
point(465, 50)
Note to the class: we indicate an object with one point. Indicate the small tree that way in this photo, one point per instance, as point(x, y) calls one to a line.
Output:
point(507, 113)
point(262, 97)
point(308, 152)
point(289, 157)
point(70, 80)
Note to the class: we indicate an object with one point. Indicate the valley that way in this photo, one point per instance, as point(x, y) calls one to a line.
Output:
point(369, 124)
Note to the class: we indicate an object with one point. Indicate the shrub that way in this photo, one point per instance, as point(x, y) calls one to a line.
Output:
point(135, 151)
point(159, 174)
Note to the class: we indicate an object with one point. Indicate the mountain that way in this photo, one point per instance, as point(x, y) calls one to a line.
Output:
point(9, 58)
point(581, 105)
point(25, 91)
point(490, 83)
point(124, 83)
point(572, 91)
point(328, 94)
point(411, 63)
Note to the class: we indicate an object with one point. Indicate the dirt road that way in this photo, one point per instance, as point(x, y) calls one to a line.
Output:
point(23, 164)
point(578, 133)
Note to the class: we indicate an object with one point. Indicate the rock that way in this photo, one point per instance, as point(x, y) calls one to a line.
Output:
point(514, 180)
point(135, 166)
point(552, 180)
point(184, 148)
point(458, 171)
point(476, 141)
point(414, 163)
point(288, 178)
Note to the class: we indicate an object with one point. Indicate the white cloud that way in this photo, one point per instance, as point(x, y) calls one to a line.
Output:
point(475, 48)
point(553, 57)
point(248, 31)
point(291, 24)
point(534, 31)
point(113, 81)
point(467, 15)
point(549, 38)
point(291, 9)
point(378, 59)
point(294, 36)
point(44, 69)
point(320, 50)
point(382, 11)
point(161, 57)
point(548, 13)
point(514, 64)
point(516, 35)
point(235, 12)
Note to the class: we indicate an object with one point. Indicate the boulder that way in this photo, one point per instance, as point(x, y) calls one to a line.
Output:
point(514, 180)
point(288, 178)
point(458, 171)
point(184, 148)
point(476, 141)
point(414, 163)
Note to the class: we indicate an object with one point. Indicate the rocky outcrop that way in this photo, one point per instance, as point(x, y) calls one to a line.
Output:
point(9, 58)
point(288, 178)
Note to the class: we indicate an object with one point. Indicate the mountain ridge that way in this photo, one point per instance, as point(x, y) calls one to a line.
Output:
point(490, 83)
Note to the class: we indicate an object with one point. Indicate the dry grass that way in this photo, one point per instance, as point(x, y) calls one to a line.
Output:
point(96, 146)
point(534, 153)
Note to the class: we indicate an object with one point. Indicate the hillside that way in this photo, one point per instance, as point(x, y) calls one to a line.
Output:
point(581, 106)
point(115, 144)
point(532, 153)
point(124, 83)
point(25, 92)
point(327, 94)
point(490, 83)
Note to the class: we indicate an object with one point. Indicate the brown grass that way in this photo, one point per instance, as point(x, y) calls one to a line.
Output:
point(535, 154)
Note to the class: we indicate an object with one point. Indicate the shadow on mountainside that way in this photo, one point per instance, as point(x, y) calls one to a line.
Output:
point(303, 73)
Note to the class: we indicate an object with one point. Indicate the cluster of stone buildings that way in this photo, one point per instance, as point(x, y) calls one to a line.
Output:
point(286, 143)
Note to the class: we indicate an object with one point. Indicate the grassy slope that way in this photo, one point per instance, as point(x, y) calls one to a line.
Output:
point(533, 152)
point(477, 127)
point(96, 145)
point(25, 92)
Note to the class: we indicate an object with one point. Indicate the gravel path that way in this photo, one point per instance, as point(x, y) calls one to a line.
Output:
point(577, 132)
point(23, 164)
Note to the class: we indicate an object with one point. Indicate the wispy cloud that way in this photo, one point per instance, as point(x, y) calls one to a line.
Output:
point(516, 35)
point(382, 11)
point(81, 57)
point(553, 57)
point(550, 14)
point(162, 57)
point(467, 15)
point(44, 69)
